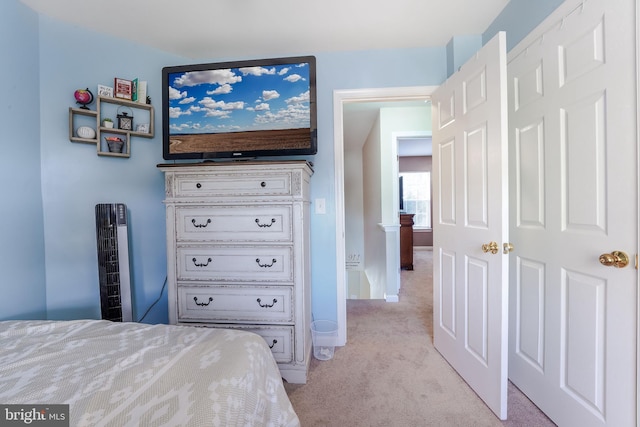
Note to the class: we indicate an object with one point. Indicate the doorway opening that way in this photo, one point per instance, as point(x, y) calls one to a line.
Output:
point(340, 98)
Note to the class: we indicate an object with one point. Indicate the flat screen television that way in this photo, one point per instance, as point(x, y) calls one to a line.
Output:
point(240, 109)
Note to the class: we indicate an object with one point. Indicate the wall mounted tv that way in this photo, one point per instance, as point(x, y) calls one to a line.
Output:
point(240, 109)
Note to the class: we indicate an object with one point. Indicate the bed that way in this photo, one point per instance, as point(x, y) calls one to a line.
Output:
point(131, 374)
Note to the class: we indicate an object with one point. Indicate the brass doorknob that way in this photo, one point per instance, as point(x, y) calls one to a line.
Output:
point(617, 259)
point(490, 247)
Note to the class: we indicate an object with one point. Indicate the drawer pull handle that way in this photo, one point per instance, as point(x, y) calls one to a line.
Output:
point(273, 220)
point(202, 304)
point(266, 305)
point(263, 184)
point(193, 221)
point(198, 185)
point(273, 343)
point(201, 264)
point(273, 261)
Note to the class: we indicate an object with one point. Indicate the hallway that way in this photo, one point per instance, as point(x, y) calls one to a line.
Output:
point(389, 373)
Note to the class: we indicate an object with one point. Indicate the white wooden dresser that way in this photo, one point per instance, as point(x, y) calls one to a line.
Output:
point(238, 252)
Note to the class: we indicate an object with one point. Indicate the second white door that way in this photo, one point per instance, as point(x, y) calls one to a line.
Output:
point(573, 198)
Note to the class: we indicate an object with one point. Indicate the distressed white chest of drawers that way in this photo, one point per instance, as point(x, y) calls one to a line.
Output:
point(238, 252)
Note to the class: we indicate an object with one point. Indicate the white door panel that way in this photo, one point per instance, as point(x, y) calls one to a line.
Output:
point(447, 301)
point(470, 203)
point(573, 197)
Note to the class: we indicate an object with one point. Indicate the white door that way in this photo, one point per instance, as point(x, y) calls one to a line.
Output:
point(573, 159)
point(470, 271)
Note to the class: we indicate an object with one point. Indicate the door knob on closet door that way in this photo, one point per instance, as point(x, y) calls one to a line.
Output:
point(490, 247)
point(617, 259)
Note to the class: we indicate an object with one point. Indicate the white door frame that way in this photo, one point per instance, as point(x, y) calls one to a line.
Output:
point(637, 142)
point(341, 97)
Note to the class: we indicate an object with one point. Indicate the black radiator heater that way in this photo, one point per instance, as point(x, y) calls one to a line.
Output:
point(113, 262)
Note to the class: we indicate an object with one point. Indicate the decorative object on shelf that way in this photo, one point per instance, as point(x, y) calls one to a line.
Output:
point(86, 132)
point(142, 128)
point(125, 121)
point(83, 97)
point(107, 123)
point(134, 90)
point(141, 92)
point(123, 88)
point(105, 91)
point(115, 144)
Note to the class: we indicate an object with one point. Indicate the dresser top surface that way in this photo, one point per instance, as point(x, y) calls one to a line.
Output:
point(236, 164)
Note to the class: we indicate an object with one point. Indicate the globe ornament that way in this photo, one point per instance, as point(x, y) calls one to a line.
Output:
point(83, 97)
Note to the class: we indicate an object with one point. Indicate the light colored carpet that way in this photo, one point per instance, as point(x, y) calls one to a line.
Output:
point(389, 374)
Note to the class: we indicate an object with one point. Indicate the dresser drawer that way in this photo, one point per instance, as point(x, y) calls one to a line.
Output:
point(217, 263)
point(278, 338)
point(234, 223)
point(235, 303)
point(280, 341)
point(237, 184)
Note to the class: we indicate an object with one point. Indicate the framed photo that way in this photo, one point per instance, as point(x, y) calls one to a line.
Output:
point(123, 88)
point(105, 91)
point(142, 128)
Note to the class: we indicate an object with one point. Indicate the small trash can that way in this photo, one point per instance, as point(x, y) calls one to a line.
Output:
point(324, 334)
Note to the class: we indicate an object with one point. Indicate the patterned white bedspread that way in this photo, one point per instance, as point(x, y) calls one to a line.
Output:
point(131, 374)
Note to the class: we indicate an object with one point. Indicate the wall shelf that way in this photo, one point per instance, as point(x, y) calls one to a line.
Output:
point(108, 107)
point(75, 117)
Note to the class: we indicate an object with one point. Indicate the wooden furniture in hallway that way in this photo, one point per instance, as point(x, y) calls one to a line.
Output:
point(406, 241)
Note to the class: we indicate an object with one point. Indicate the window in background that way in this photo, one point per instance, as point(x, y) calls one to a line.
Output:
point(416, 197)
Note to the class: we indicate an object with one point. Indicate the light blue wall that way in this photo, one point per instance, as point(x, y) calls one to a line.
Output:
point(518, 18)
point(75, 179)
point(49, 60)
point(460, 49)
point(22, 271)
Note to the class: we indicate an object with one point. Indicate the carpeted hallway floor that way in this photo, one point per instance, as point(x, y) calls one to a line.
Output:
point(389, 374)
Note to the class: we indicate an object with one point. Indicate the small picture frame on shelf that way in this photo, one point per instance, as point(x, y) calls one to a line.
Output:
point(123, 88)
point(142, 128)
point(105, 91)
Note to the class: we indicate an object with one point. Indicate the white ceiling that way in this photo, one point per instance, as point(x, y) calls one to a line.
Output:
point(238, 29)
point(241, 29)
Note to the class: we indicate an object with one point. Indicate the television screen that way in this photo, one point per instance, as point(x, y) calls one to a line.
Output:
point(240, 109)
